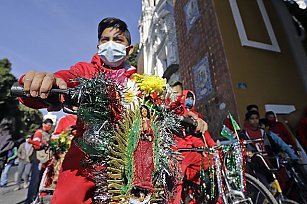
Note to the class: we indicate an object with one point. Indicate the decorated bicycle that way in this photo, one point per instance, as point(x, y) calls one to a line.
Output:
point(129, 145)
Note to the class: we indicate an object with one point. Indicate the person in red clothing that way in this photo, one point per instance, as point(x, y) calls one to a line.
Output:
point(65, 124)
point(301, 130)
point(279, 129)
point(114, 45)
point(192, 161)
point(38, 157)
point(253, 132)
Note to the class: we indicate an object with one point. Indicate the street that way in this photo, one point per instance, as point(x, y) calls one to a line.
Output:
point(8, 195)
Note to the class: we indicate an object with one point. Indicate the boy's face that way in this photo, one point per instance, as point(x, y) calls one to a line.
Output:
point(117, 36)
point(254, 121)
point(271, 117)
point(177, 90)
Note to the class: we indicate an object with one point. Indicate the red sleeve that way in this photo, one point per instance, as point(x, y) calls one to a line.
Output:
point(38, 135)
point(288, 135)
point(209, 139)
point(302, 131)
point(59, 128)
point(37, 139)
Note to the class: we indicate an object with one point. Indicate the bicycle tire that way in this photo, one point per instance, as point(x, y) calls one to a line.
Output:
point(288, 201)
point(253, 189)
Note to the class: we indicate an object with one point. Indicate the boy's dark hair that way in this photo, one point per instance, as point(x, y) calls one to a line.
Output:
point(264, 121)
point(48, 121)
point(189, 94)
point(269, 113)
point(176, 83)
point(114, 23)
point(249, 107)
point(250, 113)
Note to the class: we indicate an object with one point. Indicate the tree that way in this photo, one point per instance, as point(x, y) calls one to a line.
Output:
point(30, 119)
point(8, 104)
point(132, 58)
point(27, 119)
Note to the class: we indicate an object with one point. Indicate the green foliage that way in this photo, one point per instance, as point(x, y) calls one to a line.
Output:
point(8, 104)
point(30, 119)
point(61, 144)
point(132, 58)
point(27, 119)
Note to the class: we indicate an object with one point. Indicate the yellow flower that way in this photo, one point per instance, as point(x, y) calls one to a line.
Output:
point(128, 96)
point(150, 84)
point(62, 139)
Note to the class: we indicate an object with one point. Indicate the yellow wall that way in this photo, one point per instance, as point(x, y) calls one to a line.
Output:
point(271, 77)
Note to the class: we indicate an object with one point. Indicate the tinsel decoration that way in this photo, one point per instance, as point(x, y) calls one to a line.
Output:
point(235, 163)
point(152, 92)
point(168, 123)
point(217, 157)
point(99, 108)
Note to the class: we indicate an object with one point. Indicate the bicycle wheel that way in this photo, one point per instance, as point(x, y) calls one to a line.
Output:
point(257, 192)
point(287, 201)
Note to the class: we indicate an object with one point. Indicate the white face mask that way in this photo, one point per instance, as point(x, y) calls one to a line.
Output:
point(112, 54)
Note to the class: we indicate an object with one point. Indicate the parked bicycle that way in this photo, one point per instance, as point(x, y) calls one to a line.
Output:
point(296, 186)
point(253, 191)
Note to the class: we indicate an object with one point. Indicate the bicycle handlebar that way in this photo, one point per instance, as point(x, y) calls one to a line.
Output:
point(54, 97)
point(18, 91)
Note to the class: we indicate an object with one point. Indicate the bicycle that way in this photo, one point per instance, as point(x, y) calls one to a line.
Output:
point(231, 193)
point(255, 191)
point(296, 184)
point(275, 187)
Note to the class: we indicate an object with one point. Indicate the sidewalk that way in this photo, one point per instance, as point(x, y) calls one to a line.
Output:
point(8, 195)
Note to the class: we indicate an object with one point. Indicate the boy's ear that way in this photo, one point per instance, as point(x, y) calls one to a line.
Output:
point(130, 50)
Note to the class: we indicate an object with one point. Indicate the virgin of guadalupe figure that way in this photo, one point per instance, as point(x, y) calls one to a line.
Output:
point(143, 156)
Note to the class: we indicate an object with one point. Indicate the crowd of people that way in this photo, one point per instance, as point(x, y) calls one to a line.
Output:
point(114, 44)
point(29, 153)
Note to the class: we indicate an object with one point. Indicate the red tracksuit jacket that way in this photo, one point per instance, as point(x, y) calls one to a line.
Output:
point(73, 186)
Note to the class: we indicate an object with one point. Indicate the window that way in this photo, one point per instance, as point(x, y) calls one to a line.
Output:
point(242, 33)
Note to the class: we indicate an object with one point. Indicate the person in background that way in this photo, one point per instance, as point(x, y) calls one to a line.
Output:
point(12, 155)
point(192, 161)
point(65, 124)
point(25, 150)
point(279, 129)
point(301, 130)
point(38, 158)
point(252, 107)
point(275, 144)
point(7, 129)
point(255, 165)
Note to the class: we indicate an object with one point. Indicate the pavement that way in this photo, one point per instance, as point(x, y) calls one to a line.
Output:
point(8, 195)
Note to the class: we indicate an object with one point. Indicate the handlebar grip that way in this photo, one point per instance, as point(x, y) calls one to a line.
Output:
point(188, 122)
point(18, 91)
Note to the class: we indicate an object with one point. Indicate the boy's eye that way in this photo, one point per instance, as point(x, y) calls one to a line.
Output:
point(117, 39)
point(104, 39)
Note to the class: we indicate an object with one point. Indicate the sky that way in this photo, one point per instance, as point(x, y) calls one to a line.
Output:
point(50, 35)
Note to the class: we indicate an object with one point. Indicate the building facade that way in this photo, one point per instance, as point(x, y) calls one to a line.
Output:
point(158, 47)
point(234, 53)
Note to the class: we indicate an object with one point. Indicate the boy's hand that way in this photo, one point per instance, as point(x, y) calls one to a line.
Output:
point(39, 84)
point(202, 125)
